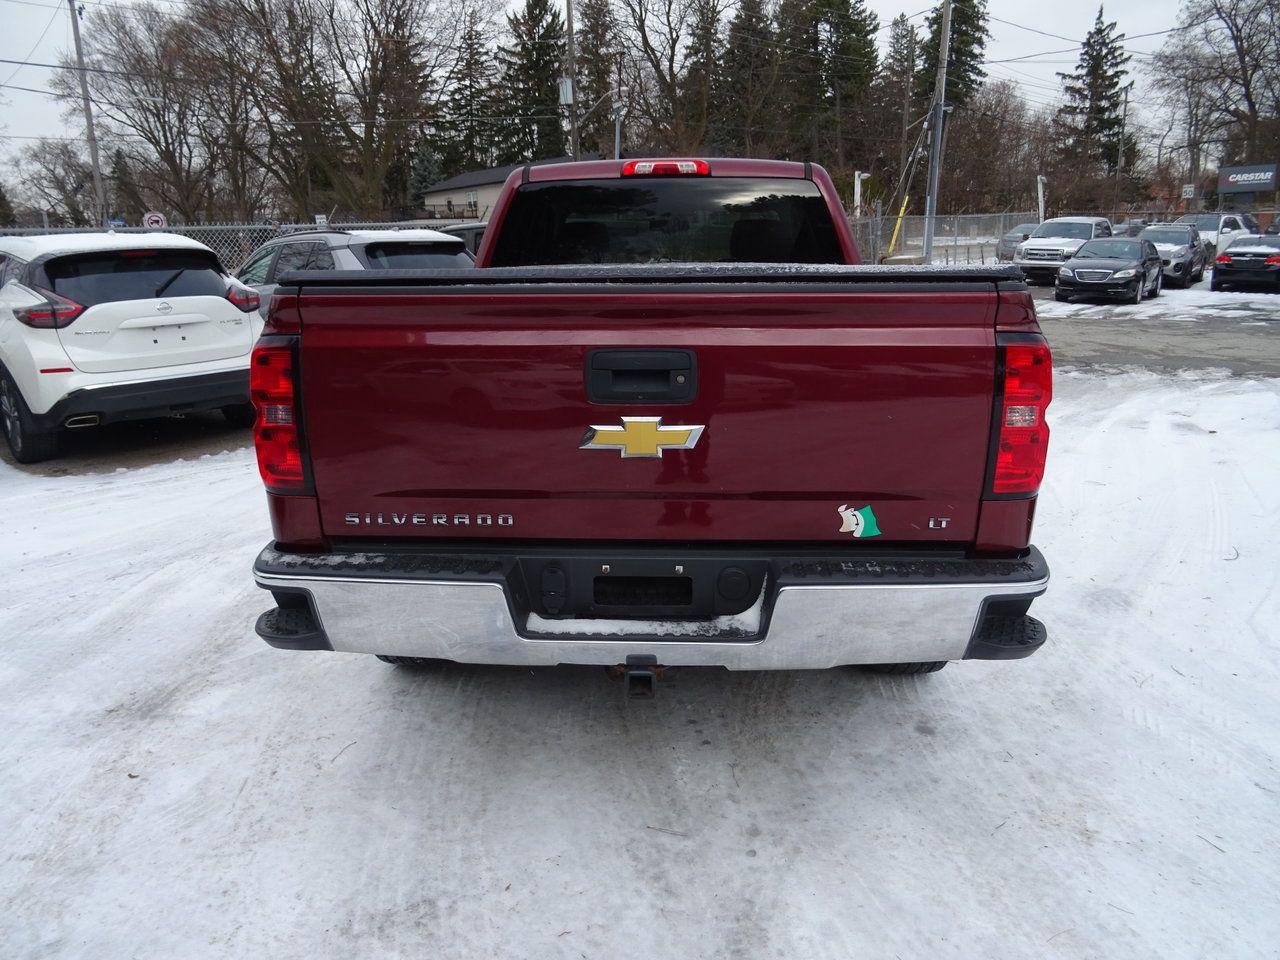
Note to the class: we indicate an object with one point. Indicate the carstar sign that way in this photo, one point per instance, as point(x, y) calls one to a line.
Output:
point(1260, 178)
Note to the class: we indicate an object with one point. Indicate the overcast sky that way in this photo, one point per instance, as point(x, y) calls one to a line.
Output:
point(40, 30)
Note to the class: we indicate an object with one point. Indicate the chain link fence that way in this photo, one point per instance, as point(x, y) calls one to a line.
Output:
point(233, 242)
point(963, 238)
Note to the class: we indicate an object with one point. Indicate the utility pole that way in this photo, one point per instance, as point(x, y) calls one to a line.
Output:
point(619, 110)
point(1124, 121)
point(572, 51)
point(98, 193)
point(906, 100)
point(1041, 180)
point(935, 147)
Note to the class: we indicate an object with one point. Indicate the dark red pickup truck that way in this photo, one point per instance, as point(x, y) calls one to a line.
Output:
point(667, 421)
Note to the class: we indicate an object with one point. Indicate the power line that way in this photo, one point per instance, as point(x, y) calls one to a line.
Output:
point(35, 46)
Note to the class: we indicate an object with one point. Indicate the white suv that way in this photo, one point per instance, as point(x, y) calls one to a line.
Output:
point(99, 327)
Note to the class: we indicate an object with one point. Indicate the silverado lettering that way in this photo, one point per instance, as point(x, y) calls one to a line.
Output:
point(807, 462)
point(433, 519)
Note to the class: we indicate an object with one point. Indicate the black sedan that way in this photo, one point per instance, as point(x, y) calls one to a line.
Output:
point(1117, 269)
point(1248, 262)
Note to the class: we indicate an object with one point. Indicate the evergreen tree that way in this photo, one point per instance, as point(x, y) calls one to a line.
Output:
point(897, 79)
point(531, 70)
point(969, 36)
point(6, 209)
point(745, 101)
point(425, 170)
point(469, 108)
point(1089, 125)
point(801, 86)
point(596, 34)
point(125, 189)
point(850, 60)
point(702, 70)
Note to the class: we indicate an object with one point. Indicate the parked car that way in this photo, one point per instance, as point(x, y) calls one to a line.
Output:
point(1252, 261)
point(101, 327)
point(1218, 230)
point(1054, 242)
point(336, 249)
point(649, 503)
point(471, 233)
point(1009, 242)
point(1181, 249)
point(1129, 228)
point(1117, 268)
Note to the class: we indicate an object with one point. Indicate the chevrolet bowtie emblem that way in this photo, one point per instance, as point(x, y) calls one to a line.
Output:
point(641, 437)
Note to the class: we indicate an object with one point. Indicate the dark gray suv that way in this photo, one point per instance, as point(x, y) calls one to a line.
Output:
point(1181, 250)
point(336, 249)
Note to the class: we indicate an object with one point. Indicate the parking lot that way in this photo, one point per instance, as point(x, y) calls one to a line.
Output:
point(175, 788)
point(1179, 330)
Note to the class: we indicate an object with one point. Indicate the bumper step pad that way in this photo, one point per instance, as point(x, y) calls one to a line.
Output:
point(292, 629)
point(1007, 638)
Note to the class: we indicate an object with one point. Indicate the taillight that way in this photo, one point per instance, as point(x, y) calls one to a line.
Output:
point(273, 388)
point(1222, 258)
point(54, 314)
point(1273, 261)
point(246, 298)
point(666, 168)
point(1023, 439)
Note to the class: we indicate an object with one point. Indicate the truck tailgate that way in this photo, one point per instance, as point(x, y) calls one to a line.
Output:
point(440, 409)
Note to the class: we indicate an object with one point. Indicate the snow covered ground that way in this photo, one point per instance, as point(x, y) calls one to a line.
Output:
point(172, 788)
point(1195, 304)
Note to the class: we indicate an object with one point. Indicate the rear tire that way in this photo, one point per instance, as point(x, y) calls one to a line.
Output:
point(1215, 286)
point(413, 663)
point(26, 443)
point(905, 669)
point(240, 414)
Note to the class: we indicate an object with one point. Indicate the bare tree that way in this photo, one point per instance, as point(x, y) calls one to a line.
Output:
point(1235, 45)
point(154, 105)
point(656, 37)
point(54, 176)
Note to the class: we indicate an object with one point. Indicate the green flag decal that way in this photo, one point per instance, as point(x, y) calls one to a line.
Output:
point(861, 522)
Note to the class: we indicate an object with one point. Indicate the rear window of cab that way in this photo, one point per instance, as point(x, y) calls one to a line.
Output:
point(117, 275)
point(421, 255)
point(668, 220)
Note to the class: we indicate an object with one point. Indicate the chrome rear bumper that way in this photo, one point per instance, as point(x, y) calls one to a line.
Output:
point(812, 614)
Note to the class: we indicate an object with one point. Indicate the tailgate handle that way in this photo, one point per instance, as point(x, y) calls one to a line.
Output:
point(641, 376)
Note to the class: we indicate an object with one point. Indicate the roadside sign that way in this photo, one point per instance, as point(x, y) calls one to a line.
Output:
point(1258, 178)
point(154, 220)
point(322, 219)
point(115, 223)
point(1188, 191)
